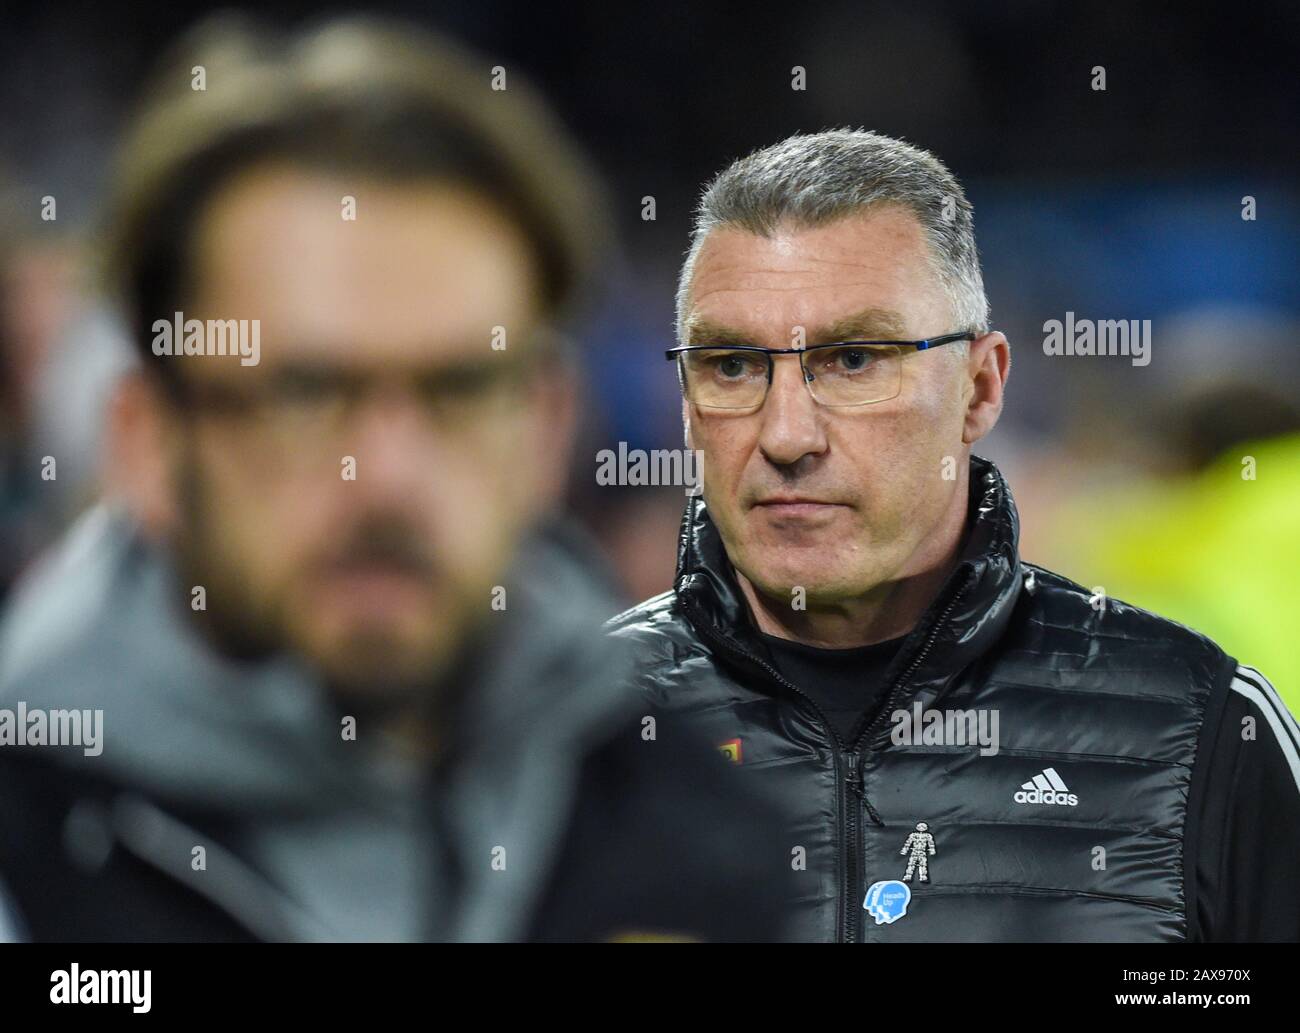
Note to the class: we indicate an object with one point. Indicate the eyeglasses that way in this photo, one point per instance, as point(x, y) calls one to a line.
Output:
point(842, 374)
point(308, 407)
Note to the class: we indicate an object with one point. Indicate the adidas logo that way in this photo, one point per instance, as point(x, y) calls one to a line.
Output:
point(1047, 787)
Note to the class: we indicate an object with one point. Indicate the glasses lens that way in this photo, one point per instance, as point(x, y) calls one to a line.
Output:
point(722, 378)
point(854, 374)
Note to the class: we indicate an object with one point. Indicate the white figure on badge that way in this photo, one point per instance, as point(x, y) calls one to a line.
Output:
point(919, 844)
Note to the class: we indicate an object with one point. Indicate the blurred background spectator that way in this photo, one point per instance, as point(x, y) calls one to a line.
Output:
point(1123, 203)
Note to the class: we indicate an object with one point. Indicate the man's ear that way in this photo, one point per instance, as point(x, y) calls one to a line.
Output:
point(987, 368)
point(137, 460)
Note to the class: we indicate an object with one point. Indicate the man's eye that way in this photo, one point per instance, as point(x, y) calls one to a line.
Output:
point(305, 386)
point(735, 366)
point(456, 385)
point(846, 360)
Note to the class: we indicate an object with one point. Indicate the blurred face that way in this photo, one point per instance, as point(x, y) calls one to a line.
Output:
point(836, 501)
point(356, 495)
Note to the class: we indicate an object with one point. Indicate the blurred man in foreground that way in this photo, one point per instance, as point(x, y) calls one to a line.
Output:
point(327, 675)
point(977, 748)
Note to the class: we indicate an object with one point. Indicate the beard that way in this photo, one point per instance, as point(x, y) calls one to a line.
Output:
point(248, 624)
point(232, 620)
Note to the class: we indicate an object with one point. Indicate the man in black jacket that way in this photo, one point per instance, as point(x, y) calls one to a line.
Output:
point(323, 669)
point(975, 748)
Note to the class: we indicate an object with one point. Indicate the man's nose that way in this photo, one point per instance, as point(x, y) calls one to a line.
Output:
point(792, 421)
point(392, 443)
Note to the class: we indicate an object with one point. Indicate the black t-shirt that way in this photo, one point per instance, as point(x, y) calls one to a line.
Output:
point(848, 685)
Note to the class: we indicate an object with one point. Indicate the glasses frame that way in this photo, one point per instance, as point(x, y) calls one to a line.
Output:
point(923, 345)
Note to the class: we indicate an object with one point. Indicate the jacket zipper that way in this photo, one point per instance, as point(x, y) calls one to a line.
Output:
point(851, 909)
point(838, 749)
point(847, 771)
point(852, 849)
point(851, 781)
point(933, 634)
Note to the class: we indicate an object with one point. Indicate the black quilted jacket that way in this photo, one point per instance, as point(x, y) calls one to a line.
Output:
point(1079, 827)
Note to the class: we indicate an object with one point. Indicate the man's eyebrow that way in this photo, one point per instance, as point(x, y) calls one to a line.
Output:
point(870, 324)
point(701, 331)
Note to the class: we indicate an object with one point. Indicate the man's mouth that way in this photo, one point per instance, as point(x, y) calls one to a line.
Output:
point(795, 500)
point(372, 585)
point(796, 507)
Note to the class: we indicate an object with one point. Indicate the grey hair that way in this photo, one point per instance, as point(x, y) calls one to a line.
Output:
point(813, 179)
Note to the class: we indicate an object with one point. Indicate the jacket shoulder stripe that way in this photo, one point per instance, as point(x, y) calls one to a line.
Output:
point(1253, 677)
point(1275, 722)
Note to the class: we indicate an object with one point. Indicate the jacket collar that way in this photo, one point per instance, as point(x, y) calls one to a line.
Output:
point(967, 616)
